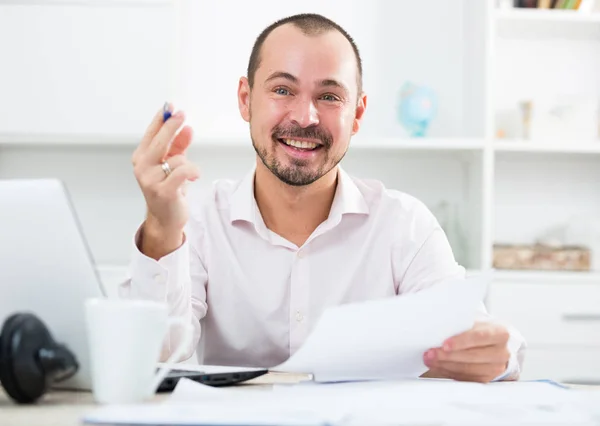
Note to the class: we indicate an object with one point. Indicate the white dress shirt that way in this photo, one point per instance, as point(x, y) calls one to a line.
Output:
point(253, 297)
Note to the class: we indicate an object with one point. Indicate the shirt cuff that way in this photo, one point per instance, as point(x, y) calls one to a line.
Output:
point(512, 370)
point(516, 346)
point(155, 280)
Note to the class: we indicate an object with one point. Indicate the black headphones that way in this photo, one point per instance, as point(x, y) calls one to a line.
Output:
point(30, 360)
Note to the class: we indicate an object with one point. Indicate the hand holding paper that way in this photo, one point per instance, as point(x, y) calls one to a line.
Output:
point(478, 355)
point(386, 339)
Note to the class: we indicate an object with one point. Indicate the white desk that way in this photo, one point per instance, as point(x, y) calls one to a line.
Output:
point(62, 408)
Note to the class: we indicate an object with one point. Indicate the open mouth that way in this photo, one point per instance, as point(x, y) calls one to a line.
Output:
point(302, 146)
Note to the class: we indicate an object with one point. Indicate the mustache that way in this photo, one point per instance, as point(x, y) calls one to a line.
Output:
point(295, 131)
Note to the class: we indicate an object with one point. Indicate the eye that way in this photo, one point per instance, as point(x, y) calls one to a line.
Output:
point(282, 91)
point(329, 97)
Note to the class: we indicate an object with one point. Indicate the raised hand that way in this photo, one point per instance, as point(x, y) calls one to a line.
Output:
point(162, 169)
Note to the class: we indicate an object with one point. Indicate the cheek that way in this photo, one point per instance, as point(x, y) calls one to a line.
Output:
point(267, 113)
point(340, 122)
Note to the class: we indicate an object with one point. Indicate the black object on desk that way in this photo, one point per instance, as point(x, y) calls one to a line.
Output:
point(210, 379)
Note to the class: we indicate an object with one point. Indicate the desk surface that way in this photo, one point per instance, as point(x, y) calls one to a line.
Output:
point(64, 408)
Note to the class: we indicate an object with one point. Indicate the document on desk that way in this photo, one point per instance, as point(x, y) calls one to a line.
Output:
point(406, 402)
point(386, 338)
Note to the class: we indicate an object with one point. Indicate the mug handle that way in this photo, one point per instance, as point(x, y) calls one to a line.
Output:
point(185, 342)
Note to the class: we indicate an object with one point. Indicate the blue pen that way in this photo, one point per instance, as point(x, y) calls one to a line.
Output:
point(166, 112)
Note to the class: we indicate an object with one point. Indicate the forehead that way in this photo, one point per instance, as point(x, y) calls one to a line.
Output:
point(328, 55)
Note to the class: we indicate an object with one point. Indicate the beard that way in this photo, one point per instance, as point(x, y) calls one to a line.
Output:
point(298, 172)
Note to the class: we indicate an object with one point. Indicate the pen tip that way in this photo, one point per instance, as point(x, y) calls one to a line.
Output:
point(166, 112)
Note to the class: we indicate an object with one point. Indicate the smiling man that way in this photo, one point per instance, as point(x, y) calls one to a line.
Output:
point(253, 264)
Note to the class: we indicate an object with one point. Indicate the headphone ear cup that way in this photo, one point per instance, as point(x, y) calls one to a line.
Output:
point(21, 374)
point(7, 372)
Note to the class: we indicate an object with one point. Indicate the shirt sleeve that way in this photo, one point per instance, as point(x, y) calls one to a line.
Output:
point(432, 262)
point(178, 279)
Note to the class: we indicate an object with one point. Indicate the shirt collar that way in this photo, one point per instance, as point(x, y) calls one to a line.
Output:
point(347, 199)
point(242, 202)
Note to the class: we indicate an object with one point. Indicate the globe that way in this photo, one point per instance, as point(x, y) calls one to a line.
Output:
point(417, 107)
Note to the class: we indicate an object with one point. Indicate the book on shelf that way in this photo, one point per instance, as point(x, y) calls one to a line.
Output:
point(549, 4)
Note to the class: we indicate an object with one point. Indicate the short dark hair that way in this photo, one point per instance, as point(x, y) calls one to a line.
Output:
point(311, 24)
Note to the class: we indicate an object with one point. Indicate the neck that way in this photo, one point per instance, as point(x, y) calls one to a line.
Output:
point(293, 212)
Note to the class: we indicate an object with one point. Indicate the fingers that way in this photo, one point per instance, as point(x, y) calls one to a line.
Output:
point(179, 176)
point(482, 355)
point(157, 174)
point(181, 142)
point(154, 127)
point(154, 175)
point(482, 334)
point(469, 372)
point(159, 147)
point(440, 373)
point(156, 141)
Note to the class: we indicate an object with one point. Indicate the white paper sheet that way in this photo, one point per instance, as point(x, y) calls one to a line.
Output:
point(386, 338)
point(205, 415)
point(408, 402)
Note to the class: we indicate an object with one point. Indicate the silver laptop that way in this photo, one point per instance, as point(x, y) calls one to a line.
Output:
point(46, 267)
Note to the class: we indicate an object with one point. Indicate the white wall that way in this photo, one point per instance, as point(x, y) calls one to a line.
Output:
point(87, 80)
point(83, 68)
point(529, 191)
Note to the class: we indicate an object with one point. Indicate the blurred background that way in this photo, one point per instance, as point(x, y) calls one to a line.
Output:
point(486, 110)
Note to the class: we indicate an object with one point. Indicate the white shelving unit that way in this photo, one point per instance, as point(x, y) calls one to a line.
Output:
point(84, 83)
point(546, 183)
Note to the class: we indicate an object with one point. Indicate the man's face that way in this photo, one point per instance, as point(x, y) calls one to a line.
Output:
point(304, 105)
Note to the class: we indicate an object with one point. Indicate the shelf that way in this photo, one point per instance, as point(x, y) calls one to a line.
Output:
point(19, 140)
point(88, 3)
point(375, 144)
point(548, 277)
point(539, 147)
point(548, 23)
point(425, 144)
point(365, 143)
point(547, 15)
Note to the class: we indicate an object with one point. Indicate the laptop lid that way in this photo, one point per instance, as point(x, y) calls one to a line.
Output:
point(46, 267)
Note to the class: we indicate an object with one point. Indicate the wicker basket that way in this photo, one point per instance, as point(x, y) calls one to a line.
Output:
point(540, 257)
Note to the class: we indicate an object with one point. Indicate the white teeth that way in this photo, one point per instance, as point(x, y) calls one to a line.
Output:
point(300, 144)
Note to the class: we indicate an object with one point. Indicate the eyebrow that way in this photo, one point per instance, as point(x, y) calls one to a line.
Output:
point(284, 75)
point(328, 82)
point(333, 83)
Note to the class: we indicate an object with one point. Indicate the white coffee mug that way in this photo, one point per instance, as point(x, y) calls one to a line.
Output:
point(125, 338)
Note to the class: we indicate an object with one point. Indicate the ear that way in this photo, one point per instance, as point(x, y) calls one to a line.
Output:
point(244, 98)
point(360, 110)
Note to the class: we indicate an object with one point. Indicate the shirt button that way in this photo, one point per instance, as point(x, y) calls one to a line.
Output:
point(158, 279)
point(300, 254)
point(299, 316)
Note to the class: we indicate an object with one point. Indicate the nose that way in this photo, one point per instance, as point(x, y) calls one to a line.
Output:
point(304, 112)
